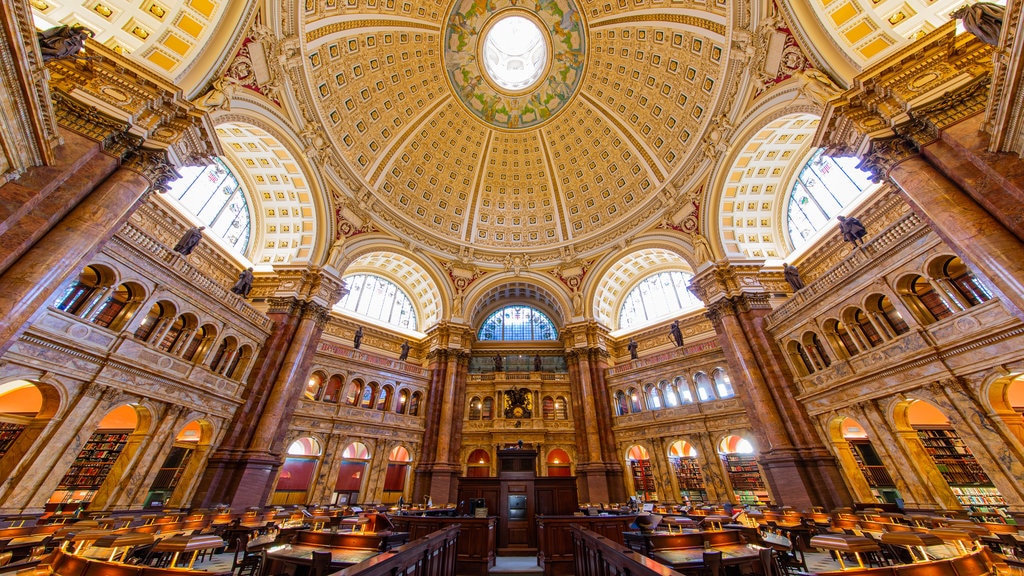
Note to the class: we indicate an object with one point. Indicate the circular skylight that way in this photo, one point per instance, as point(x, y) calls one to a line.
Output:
point(515, 53)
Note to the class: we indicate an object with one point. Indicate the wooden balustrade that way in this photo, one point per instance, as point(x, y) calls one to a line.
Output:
point(596, 555)
point(433, 555)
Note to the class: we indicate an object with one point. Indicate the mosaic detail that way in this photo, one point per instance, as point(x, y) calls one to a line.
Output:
point(463, 38)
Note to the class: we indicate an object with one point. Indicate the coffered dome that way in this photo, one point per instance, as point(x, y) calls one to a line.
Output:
point(563, 135)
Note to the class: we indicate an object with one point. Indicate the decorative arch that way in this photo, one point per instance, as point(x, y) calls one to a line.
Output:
point(418, 283)
point(619, 275)
point(535, 291)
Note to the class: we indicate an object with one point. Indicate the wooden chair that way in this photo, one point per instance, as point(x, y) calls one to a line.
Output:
point(713, 563)
point(321, 563)
point(249, 564)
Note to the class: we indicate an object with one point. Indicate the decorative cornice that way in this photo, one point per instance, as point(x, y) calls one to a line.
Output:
point(288, 305)
point(317, 312)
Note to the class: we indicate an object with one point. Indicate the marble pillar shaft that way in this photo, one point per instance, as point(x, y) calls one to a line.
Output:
point(447, 426)
point(981, 241)
point(30, 282)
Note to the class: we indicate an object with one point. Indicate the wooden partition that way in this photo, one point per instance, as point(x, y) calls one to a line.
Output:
point(432, 555)
point(61, 563)
point(554, 535)
point(595, 555)
point(476, 547)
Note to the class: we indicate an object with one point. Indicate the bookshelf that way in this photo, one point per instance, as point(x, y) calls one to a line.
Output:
point(689, 479)
point(643, 479)
point(967, 480)
point(9, 432)
point(91, 467)
point(169, 475)
point(746, 479)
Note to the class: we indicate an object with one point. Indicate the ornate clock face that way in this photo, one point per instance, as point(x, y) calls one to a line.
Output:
point(518, 411)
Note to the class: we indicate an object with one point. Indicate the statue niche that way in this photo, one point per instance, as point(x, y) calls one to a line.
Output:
point(518, 403)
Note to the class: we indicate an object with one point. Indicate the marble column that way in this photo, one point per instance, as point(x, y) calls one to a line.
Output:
point(445, 469)
point(591, 471)
point(438, 367)
point(981, 241)
point(242, 471)
point(30, 281)
point(151, 458)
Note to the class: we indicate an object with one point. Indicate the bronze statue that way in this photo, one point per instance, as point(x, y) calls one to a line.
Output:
point(498, 364)
point(983, 19)
point(405, 351)
point(189, 240)
point(62, 41)
point(536, 363)
point(677, 334)
point(792, 276)
point(244, 284)
point(852, 229)
point(632, 346)
point(357, 338)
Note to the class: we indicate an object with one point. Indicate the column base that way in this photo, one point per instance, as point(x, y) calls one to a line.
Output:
point(239, 482)
point(803, 481)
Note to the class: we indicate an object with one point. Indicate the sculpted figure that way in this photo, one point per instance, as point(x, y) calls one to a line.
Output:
point(792, 276)
point(244, 284)
point(632, 346)
point(405, 351)
point(189, 240)
point(62, 41)
point(357, 338)
point(677, 334)
point(499, 365)
point(852, 229)
point(983, 19)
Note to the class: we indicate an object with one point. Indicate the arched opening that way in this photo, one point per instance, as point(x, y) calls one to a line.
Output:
point(887, 315)
point(639, 462)
point(403, 402)
point(705, 391)
point(354, 460)
point(368, 394)
point(621, 403)
point(94, 462)
point(314, 386)
point(414, 404)
point(332, 390)
point(478, 464)
point(923, 300)
point(737, 455)
point(384, 398)
point(863, 323)
point(798, 356)
point(952, 458)
point(20, 402)
point(682, 456)
point(117, 308)
point(559, 463)
point(475, 404)
point(840, 339)
point(158, 313)
point(653, 397)
point(722, 383)
point(863, 460)
point(1006, 396)
point(355, 388)
point(397, 476)
point(634, 400)
point(81, 293)
point(174, 332)
point(960, 284)
point(199, 345)
point(296, 475)
point(181, 466)
point(236, 368)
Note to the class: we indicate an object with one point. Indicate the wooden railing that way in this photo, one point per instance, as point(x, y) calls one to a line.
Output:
point(432, 555)
point(598, 556)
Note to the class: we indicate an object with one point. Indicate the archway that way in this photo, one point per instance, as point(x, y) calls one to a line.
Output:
point(639, 463)
point(25, 411)
point(1006, 395)
point(741, 467)
point(354, 460)
point(89, 472)
point(181, 466)
point(559, 463)
point(478, 464)
point(682, 456)
point(952, 459)
point(297, 472)
point(863, 468)
point(397, 476)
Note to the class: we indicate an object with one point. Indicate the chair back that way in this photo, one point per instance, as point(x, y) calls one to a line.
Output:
point(321, 563)
point(713, 563)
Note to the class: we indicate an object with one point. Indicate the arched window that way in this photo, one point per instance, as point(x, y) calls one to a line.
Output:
point(867, 328)
point(314, 387)
point(842, 336)
point(379, 298)
point(671, 393)
point(548, 408)
point(173, 333)
point(621, 404)
point(215, 197)
point(77, 295)
point(403, 401)
point(517, 322)
point(332, 391)
point(965, 283)
point(656, 297)
point(150, 322)
point(634, 400)
point(114, 311)
point(487, 409)
point(684, 390)
point(722, 383)
point(704, 390)
point(474, 408)
point(366, 400)
point(936, 306)
point(200, 343)
point(414, 404)
point(653, 397)
point(824, 187)
point(384, 398)
point(888, 314)
point(354, 390)
point(561, 408)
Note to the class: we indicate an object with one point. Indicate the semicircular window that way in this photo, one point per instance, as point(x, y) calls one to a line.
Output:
point(517, 322)
point(379, 298)
point(656, 297)
point(213, 195)
point(824, 187)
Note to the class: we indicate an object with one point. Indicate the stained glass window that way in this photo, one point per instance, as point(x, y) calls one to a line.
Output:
point(658, 296)
point(824, 187)
point(379, 298)
point(214, 196)
point(517, 322)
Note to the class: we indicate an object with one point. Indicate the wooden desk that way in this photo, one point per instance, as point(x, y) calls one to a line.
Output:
point(193, 543)
point(848, 543)
point(477, 539)
point(297, 559)
point(692, 559)
point(379, 541)
point(648, 543)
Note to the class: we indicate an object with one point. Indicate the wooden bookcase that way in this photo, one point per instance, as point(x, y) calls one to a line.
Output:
point(689, 479)
point(643, 479)
point(92, 465)
point(966, 478)
point(746, 479)
point(9, 432)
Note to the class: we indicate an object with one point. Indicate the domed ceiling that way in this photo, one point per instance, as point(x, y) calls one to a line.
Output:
point(512, 124)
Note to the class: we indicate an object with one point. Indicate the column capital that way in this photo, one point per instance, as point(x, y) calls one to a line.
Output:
point(726, 279)
point(317, 312)
point(939, 80)
point(306, 283)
